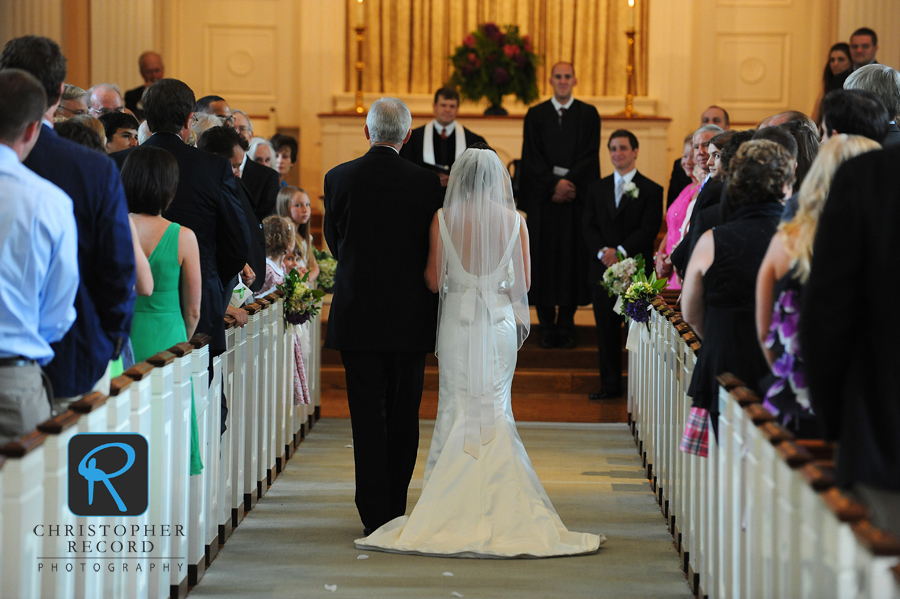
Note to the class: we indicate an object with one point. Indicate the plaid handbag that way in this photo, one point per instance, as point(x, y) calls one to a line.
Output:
point(696, 433)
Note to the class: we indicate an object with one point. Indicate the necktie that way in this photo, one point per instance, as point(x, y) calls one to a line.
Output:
point(562, 113)
point(620, 188)
point(443, 133)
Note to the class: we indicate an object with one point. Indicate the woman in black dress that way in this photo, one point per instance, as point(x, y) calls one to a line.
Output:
point(720, 280)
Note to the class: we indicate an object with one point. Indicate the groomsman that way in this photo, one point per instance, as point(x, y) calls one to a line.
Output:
point(624, 213)
point(441, 141)
point(560, 160)
point(382, 337)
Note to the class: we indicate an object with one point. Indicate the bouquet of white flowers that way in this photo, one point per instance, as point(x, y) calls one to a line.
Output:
point(617, 278)
point(327, 267)
point(300, 302)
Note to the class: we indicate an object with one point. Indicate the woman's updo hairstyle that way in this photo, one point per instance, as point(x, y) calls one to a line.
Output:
point(759, 171)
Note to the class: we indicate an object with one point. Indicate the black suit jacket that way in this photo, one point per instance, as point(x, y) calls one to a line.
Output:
point(633, 225)
point(848, 336)
point(256, 256)
point(206, 202)
point(378, 211)
point(412, 150)
point(132, 97)
point(262, 185)
point(893, 136)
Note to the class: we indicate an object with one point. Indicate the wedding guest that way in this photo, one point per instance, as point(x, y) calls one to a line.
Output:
point(216, 106)
point(854, 112)
point(143, 133)
point(79, 131)
point(718, 293)
point(285, 155)
point(262, 152)
point(837, 68)
point(152, 70)
point(680, 178)
point(884, 82)
point(39, 272)
point(243, 125)
point(780, 289)
point(560, 160)
point(622, 216)
point(73, 102)
point(170, 315)
point(853, 386)
point(121, 131)
point(441, 141)
point(676, 215)
point(206, 201)
point(105, 299)
point(104, 98)
point(863, 47)
point(716, 115)
point(293, 204)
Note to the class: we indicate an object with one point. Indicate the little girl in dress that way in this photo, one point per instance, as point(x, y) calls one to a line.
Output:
point(279, 233)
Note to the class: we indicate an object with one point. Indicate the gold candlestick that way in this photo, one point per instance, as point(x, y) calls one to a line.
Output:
point(360, 67)
point(629, 112)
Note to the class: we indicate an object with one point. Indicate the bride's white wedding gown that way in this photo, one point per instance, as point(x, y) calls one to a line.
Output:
point(492, 505)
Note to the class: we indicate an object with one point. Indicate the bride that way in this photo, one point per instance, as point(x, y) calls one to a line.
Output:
point(480, 494)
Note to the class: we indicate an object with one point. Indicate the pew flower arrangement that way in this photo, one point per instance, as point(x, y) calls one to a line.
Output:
point(327, 267)
point(636, 301)
point(300, 302)
point(492, 63)
point(618, 277)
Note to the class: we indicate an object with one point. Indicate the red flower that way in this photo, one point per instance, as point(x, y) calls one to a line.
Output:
point(472, 57)
point(527, 40)
point(469, 41)
point(511, 50)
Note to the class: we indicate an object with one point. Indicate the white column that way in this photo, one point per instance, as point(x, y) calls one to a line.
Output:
point(121, 30)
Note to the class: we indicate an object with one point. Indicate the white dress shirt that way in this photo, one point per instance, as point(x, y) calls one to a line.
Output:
point(38, 261)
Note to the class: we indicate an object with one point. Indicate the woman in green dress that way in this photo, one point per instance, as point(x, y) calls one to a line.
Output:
point(170, 315)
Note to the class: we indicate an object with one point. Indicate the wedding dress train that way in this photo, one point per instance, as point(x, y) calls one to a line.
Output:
point(480, 494)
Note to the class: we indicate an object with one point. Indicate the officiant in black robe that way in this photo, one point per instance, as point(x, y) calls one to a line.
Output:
point(437, 145)
point(560, 159)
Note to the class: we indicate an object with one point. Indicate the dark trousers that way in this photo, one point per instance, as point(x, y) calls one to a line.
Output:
point(609, 339)
point(551, 320)
point(384, 391)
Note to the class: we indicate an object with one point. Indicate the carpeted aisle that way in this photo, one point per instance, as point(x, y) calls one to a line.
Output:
point(298, 541)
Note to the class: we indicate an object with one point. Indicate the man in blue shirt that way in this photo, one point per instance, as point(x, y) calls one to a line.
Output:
point(38, 260)
point(105, 300)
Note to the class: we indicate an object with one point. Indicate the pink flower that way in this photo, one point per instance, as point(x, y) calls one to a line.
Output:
point(511, 50)
point(469, 41)
point(472, 57)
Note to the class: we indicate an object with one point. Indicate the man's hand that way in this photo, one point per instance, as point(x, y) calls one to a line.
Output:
point(564, 191)
point(609, 257)
point(444, 179)
point(247, 276)
point(239, 316)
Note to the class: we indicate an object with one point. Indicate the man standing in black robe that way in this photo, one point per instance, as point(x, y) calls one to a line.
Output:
point(560, 159)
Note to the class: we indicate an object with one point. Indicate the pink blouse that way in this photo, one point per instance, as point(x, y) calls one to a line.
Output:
point(674, 219)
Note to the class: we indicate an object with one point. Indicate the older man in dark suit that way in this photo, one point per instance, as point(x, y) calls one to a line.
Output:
point(623, 214)
point(105, 300)
point(383, 336)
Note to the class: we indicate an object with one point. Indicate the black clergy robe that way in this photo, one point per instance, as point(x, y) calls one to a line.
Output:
point(444, 149)
point(559, 255)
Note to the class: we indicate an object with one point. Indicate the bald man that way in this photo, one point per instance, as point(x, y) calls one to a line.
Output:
point(152, 70)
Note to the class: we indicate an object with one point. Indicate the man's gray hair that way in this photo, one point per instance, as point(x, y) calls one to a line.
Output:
point(260, 141)
point(246, 116)
point(104, 87)
point(388, 121)
point(881, 80)
point(203, 121)
point(72, 92)
point(707, 128)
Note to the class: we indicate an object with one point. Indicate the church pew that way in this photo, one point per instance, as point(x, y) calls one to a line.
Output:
point(250, 482)
point(182, 372)
point(204, 531)
point(263, 405)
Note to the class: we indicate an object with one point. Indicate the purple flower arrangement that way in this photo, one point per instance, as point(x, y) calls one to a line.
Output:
point(492, 63)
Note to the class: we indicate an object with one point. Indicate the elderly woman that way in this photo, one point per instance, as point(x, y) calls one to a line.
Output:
point(780, 284)
point(720, 281)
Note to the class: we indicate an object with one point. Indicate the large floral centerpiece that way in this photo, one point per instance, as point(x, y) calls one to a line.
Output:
point(492, 63)
point(300, 302)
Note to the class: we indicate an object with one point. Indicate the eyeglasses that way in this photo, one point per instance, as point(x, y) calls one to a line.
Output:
point(74, 112)
point(101, 111)
point(227, 120)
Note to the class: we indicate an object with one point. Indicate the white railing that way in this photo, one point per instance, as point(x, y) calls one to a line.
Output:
point(39, 557)
point(760, 517)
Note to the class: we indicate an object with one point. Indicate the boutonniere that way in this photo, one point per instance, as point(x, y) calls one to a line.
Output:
point(631, 190)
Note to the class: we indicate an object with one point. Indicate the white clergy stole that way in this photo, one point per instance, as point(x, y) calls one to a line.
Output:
point(428, 143)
